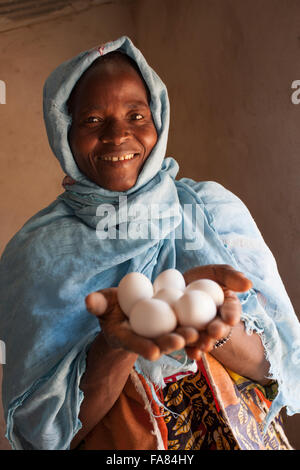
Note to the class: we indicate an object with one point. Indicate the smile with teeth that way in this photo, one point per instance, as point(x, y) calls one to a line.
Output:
point(128, 156)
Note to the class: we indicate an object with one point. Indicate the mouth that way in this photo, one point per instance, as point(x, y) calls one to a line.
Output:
point(118, 157)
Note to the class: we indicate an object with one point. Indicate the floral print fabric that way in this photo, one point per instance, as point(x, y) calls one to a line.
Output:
point(196, 421)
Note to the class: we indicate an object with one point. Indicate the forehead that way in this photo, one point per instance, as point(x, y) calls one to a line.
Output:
point(109, 72)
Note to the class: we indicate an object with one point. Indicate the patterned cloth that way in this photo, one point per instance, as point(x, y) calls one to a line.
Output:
point(211, 409)
point(195, 420)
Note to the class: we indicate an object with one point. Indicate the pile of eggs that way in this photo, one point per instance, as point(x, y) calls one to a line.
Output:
point(154, 310)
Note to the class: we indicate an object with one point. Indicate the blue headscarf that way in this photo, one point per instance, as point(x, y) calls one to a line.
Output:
point(58, 257)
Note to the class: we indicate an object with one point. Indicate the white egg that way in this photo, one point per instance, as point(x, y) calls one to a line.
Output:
point(210, 287)
point(195, 308)
point(132, 288)
point(152, 318)
point(169, 295)
point(170, 278)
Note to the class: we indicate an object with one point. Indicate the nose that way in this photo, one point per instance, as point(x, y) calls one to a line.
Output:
point(115, 132)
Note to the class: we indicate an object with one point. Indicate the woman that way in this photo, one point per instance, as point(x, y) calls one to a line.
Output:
point(86, 381)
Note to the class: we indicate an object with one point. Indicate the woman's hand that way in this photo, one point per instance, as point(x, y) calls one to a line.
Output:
point(229, 313)
point(118, 334)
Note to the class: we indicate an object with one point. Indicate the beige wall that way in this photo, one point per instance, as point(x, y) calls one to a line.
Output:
point(30, 176)
point(228, 65)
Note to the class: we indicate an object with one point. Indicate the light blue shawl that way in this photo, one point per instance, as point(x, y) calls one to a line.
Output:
point(56, 259)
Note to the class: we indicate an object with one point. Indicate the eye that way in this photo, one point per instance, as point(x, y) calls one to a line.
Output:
point(92, 119)
point(137, 116)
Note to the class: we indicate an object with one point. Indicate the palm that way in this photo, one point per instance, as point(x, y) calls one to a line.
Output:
point(118, 334)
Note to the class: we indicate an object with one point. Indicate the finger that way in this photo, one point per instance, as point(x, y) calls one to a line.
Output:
point(224, 274)
point(123, 337)
point(105, 302)
point(190, 334)
point(169, 343)
point(204, 343)
point(140, 345)
point(194, 353)
point(101, 302)
point(231, 278)
point(217, 329)
point(231, 309)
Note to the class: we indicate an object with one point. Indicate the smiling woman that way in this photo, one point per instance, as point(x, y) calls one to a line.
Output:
point(112, 131)
point(85, 380)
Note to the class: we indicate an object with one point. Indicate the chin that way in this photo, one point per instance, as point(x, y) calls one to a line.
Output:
point(120, 187)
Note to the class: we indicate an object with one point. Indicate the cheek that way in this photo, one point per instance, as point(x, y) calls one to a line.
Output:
point(80, 144)
point(150, 139)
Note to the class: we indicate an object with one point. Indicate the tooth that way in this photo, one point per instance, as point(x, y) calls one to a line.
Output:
point(128, 156)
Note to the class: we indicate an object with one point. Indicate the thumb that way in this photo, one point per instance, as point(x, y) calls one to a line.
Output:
point(224, 274)
point(101, 302)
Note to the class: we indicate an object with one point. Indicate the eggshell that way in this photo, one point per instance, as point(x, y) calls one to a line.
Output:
point(169, 295)
point(132, 288)
point(195, 308)
point(170, 278)
point(210, 287)
point(152, 318)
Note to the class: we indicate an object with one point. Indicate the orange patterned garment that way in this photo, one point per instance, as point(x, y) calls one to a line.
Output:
point(197, 421)
point(212, 409)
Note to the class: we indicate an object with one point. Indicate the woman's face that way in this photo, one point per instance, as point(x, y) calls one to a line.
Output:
point(112, 131)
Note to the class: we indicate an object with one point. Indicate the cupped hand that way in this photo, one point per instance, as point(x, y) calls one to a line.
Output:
point(229, 313)
point(118, 334)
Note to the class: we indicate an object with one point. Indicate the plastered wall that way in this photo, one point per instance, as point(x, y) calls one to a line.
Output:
point(228, 65)
point(30, 177)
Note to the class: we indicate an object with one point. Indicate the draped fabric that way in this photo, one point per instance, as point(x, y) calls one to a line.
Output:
point(212, 409)
point(76, 245)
